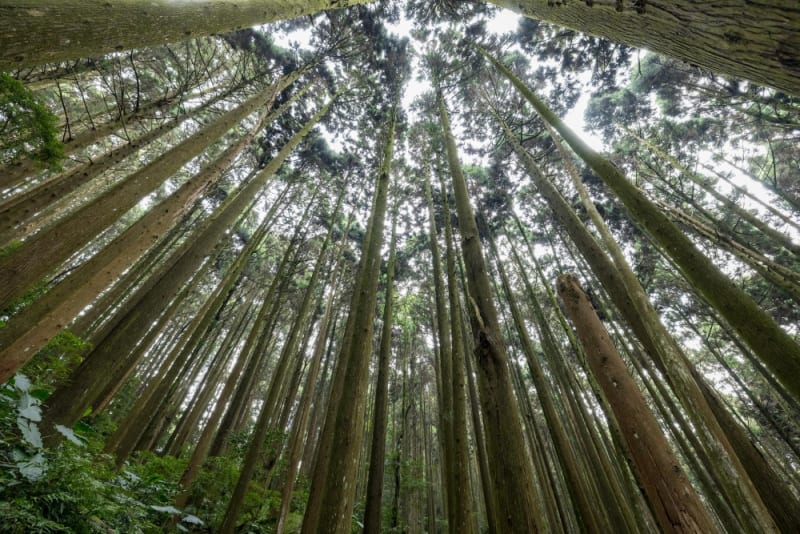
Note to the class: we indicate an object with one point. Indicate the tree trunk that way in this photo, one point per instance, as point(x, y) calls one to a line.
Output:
point(330, 503)
point(39, 255)
point(463, 519)
point(15, 349)
point(511, 471)
point(270, 404)
point(775, 348)
point(372, 511)
point(673, 500)
point(755, 41)
point(36, 32)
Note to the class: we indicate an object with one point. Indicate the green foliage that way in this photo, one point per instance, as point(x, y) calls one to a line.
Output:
point(56, 360)
point(28, 128)
point(73, 488)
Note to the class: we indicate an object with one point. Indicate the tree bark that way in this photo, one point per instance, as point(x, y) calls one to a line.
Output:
point(673, 500)
point(372, 510)
point(755, 41)
point(38, 256)
point(36, 32)
point(332, 495)
point(511, 471)
point(777, 349)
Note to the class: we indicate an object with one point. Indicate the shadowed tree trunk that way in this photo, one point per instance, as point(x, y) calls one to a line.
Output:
point(372, 511)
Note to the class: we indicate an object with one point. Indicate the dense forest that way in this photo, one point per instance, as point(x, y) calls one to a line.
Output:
point(349, 266)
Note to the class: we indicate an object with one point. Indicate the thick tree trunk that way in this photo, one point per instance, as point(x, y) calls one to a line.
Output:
point(757, 41)
point(673, 500)
point(36, 31)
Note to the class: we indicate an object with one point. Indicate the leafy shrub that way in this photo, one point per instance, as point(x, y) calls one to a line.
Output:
point(72, 488)
point(29, 128)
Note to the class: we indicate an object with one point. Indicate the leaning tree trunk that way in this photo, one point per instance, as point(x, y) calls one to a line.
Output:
point(39, 255)
point(36, 31)
point(271, 402)
point(758, 41)
point(675, 504)
point(777, 349)
point(45, 317)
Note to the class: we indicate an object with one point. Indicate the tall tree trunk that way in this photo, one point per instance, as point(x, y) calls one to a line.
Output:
point(372, 511)
point(36, 32)
point(330, 503)
point(301, 420)
point(756, 41)
point(775, 348)
point(464, 520)
point(270, 404)
point(511, 472)
point(38, 256)
point(17, 344)
point(444, 365)
point(673, 500)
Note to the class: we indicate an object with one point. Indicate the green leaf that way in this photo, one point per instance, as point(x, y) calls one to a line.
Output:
point(30, 432)
point(169, 509)
point(33, 468)
point(70, 435)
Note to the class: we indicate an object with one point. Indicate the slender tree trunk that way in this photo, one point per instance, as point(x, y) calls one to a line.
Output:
point(673, 500)
point(331, 500)
point(372, 511)
point(38, 256)
point(266, 415)
point(464, 519)
point(443, 367)
point(589, 516)
point(301, 421)
point(774, 347)
point(16, 173)
point(511, 471)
